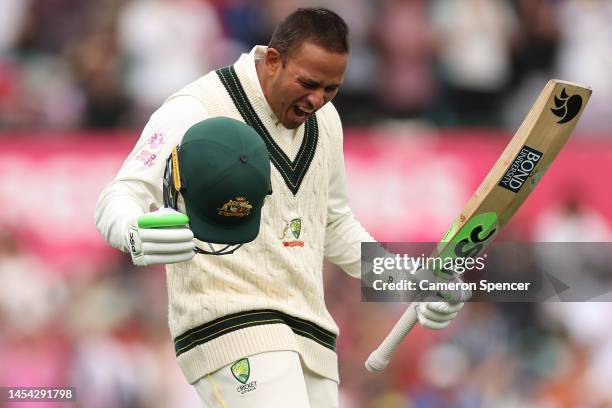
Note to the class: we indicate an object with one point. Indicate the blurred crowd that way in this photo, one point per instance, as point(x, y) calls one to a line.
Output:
point(109, 63)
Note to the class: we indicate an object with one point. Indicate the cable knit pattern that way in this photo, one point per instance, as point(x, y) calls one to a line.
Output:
point(264, 274)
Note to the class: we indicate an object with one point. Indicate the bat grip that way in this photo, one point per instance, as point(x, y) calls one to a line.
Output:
point(379, 358)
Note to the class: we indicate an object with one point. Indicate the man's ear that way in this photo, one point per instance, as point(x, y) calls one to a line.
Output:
point(273, 60)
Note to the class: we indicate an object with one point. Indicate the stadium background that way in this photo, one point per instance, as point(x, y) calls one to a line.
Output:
point(433, 92)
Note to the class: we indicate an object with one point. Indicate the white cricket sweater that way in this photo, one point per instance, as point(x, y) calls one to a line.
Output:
point(268, 295)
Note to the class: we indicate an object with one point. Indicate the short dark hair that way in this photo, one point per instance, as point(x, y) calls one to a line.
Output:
point(321, 26)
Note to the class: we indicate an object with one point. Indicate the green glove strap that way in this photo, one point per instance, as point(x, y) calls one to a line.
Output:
point(162, 220)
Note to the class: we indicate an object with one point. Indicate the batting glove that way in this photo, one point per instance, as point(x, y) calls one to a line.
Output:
point(440, 308)
point(437, 314)
point(160, 237)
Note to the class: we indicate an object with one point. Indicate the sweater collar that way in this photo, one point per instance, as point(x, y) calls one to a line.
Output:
point(247, 63)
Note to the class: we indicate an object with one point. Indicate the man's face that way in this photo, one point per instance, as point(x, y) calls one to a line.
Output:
point(309, 78)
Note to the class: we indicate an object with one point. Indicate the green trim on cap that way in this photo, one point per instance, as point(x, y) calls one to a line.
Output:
point(238, 321)
point(293, 172)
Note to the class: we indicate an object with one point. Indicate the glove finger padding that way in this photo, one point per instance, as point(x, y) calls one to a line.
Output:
point(155, 259)
point(165, 234)
point(445, 307)
point(433, 319)
point(430, 324)
point(167, 247)
point(440, 311)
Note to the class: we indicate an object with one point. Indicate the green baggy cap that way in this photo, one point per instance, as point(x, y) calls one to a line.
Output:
point(225, 176)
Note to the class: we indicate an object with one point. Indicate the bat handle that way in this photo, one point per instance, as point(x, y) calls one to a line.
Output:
point(379, 358)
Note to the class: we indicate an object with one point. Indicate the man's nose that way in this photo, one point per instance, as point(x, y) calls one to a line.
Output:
point(317, 98)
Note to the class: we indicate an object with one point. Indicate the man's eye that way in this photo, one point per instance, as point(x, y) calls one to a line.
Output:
point(309, 85)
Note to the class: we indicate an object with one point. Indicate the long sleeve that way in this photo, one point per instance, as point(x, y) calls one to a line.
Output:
point(344, 233)
point(137, 188)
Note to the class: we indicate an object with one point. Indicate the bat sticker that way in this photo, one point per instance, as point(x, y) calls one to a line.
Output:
point(521, 168)
point(471, 239)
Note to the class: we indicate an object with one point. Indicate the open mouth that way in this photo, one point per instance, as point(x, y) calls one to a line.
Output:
point(301, 111)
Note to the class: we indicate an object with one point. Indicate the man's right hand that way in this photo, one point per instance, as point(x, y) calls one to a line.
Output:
point(438, 309)
point(160, 237)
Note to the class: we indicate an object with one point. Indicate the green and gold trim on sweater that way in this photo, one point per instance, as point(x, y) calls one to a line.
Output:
point(237, 321)
point(293, 172)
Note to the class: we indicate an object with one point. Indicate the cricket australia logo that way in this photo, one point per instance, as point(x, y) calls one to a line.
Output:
point(566, 107)
point(521, 168)
point(241, 370)
point(291, 233)
point(240, 207)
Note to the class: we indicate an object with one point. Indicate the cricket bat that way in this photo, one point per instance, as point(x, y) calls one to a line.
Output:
point(520, 167)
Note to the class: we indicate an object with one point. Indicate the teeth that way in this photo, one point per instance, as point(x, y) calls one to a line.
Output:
point(305, 110)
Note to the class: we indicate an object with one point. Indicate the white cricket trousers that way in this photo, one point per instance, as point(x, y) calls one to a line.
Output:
point(274, 379)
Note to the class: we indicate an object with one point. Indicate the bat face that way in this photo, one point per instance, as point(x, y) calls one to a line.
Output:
point(520, 167)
